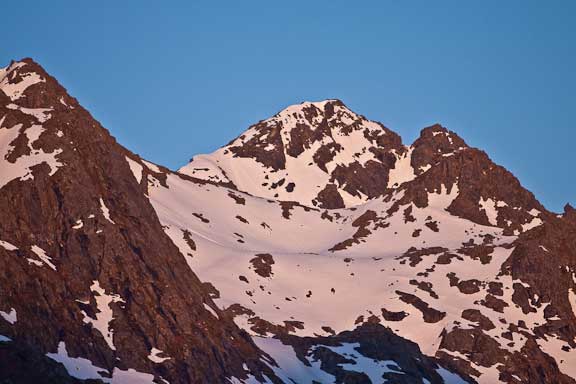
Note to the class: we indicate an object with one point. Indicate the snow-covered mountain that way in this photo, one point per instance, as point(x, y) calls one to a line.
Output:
point(319, 154)
point(314, 248)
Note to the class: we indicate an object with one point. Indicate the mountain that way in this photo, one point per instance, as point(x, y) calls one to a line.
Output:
point(88, 276)
point(319, 154)
point(314, 248)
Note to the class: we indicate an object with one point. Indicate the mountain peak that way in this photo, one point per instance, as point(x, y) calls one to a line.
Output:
point(441, 136)
point(26, 84)
point(19, 76)
point(569, 210)
point(41, 126)
point(435, 142)
point(313, 113)
point(321, 105)
point(436, 127)
point(324, 155)
point(316, 153)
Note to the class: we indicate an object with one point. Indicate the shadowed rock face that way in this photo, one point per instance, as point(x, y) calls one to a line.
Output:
point(316, 233)
point(373, 342)
point(441, 158)
point(24, 365)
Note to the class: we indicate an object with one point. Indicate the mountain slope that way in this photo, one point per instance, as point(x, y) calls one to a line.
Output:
point(316, 247)
point(430, 258)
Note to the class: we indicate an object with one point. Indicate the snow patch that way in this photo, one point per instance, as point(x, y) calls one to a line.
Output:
point(77, 367)
point(572, 300)
point(21, 168)
point(534, 212)
point(155, 356)
point(43, 256)
point(84, 369)
point(449, 377)
point(132, 376)
point(136, 169)
point(105, 211)
point(374, 369)
point(566, 360)
point(10, 317)
point(489, 207)
point(104, 314)
point(7, 246)
point(41, 114)
point(209, 309)
point(291, 369)
point(424, 168)
point(152, 167)
point(402, 171)
point(79, 224)
point(532, 224)
point(15, 90)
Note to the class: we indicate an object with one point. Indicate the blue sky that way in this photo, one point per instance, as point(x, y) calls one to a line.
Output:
point(173, 79)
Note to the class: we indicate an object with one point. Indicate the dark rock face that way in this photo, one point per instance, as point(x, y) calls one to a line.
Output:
point(478, 180)
point(21, 364)
point(329, 198)
point(545, 259)
point(371, 341)
point(541, 260)
point(85, 231)
point(255, 147)
point(434, 143)
point(429, 314)
point(262, 264)
point(393, 316)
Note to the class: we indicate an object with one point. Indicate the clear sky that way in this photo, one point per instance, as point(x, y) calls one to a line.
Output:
point(176, 78)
